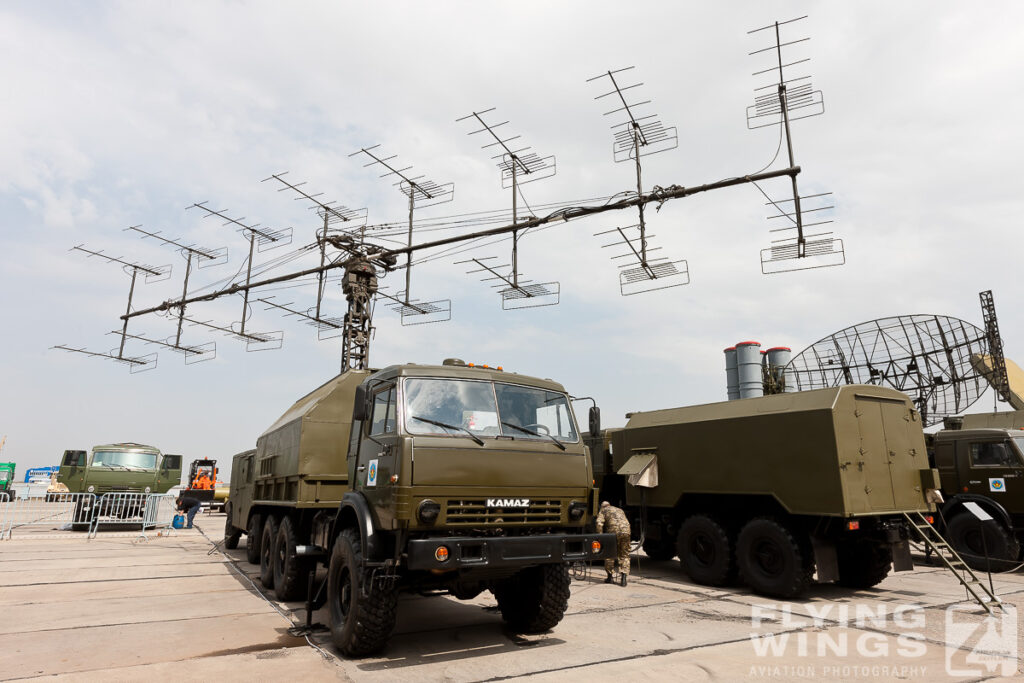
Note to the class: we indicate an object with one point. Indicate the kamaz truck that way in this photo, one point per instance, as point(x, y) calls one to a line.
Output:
point(982, 467)
point(426, 478)
point(116, 468)
point(774, 489)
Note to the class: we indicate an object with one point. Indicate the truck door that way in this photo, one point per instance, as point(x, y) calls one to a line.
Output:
point(241, 490)
point(379, 456)
point(875, 463)
point(993, 469)
point(72, 471)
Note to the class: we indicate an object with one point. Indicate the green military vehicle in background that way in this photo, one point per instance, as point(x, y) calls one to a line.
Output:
point(7, 480)
point(980, 459)
point(116, 468)
point(775, 488)
point(420, 478)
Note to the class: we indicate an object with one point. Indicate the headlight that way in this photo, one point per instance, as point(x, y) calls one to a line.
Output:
point(91, 488)
point(428, 511)
point(576, 510)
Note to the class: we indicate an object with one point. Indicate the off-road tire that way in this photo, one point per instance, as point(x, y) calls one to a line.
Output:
point(362, 616)
point(291, 572)
point(964, 531)
point(252, 539)
point(231, 534)
point(267, 543)
point(659, 550)
point(773, 559)
point(535, 599)
point(706, 551)
point(863, 564)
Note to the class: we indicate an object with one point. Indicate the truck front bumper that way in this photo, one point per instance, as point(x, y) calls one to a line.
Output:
point(462, 552)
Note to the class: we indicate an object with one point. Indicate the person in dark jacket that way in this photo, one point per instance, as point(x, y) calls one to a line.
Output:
point(190, 506)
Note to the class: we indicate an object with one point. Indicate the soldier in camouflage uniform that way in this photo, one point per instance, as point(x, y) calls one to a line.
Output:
point(612, 520)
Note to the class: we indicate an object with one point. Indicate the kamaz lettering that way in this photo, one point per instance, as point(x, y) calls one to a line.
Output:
point(508, 502)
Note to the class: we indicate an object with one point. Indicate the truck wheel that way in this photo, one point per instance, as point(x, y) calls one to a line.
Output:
point(705, 551)
point(535, 599)
point(267, 551)
point(863, 564)
point(252, 539)
point(773, 560)
point(659, 550)
point(964, 534)
point(291, 572)
point(362, 616)
point(231, 534)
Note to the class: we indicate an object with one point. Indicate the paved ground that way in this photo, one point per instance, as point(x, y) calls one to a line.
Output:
point(117, 609)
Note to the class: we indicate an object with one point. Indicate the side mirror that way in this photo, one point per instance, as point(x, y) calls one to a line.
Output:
point(359, 407)
point(595, 421)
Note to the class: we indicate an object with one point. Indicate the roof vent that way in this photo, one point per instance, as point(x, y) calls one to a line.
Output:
point(454, 361)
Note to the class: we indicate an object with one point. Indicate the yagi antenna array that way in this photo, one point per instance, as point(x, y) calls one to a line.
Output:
point(264, 238)
point(637, 135)
point(348, 221)
point(785, 98)
point(151, 274)
point(518, 165)
point(421, 192)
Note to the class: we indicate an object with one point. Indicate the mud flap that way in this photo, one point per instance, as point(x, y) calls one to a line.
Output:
point(825, 561)
point(901, 560)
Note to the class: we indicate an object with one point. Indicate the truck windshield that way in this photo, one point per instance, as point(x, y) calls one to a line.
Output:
point(483, 407)
point(128, 460)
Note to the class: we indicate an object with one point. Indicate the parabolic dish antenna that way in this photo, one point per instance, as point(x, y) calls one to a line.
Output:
point(927, 357)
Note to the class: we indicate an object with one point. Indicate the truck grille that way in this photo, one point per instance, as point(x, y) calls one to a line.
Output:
point(476, 513)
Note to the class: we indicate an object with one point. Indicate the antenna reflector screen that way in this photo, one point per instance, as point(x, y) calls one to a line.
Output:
point(200, 353)
point(138, 364)
point(787, 257)
point(533, 295)
point(659, 274)
point(424, 312)
point(211, 257)
point(264, 341)
point(801, 103)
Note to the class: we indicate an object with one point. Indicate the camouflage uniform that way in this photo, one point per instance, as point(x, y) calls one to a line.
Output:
point(612, 520)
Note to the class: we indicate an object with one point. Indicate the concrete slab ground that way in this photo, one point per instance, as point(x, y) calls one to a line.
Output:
point(175, 608)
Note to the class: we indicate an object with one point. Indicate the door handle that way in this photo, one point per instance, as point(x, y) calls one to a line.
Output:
point(361, 468)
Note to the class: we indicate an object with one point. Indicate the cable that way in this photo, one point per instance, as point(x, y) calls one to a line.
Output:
point(231, 562)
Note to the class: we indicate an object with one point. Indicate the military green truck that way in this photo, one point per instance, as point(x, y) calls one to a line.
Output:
point(116, 468)
point(983, 465)
point(776, 488)
point(7, 480)
point(422, 478)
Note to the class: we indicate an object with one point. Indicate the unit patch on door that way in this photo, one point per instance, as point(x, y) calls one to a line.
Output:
point(996, 484)
point(371, 474)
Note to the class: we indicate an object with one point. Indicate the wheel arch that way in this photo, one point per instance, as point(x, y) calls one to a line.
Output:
point(955, 507)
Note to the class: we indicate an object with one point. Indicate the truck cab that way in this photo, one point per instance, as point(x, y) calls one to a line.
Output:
point(120, 467)
point(984, 466)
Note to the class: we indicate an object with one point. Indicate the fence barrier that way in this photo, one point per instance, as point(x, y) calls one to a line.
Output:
point(145, 510)
point(55, 510)
point(87, 512)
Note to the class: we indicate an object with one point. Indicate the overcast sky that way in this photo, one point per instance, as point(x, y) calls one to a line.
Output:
point(119, 114)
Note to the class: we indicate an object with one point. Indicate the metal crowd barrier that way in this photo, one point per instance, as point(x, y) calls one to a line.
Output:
point(144, 510)
point(55, 510)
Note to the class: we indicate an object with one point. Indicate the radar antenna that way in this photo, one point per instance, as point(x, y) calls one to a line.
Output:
point(791, 98)
point(931, 358)
point(422, 193)
point(639, 135)
point(518, 165)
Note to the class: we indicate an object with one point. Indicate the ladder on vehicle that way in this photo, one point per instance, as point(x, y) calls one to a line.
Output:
point(932, 540)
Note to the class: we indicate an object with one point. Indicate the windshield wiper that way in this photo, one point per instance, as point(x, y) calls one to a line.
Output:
point(448, 426)
point(530, 431)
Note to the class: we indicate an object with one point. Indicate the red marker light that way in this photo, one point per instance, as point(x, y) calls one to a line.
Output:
point(853, 526)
